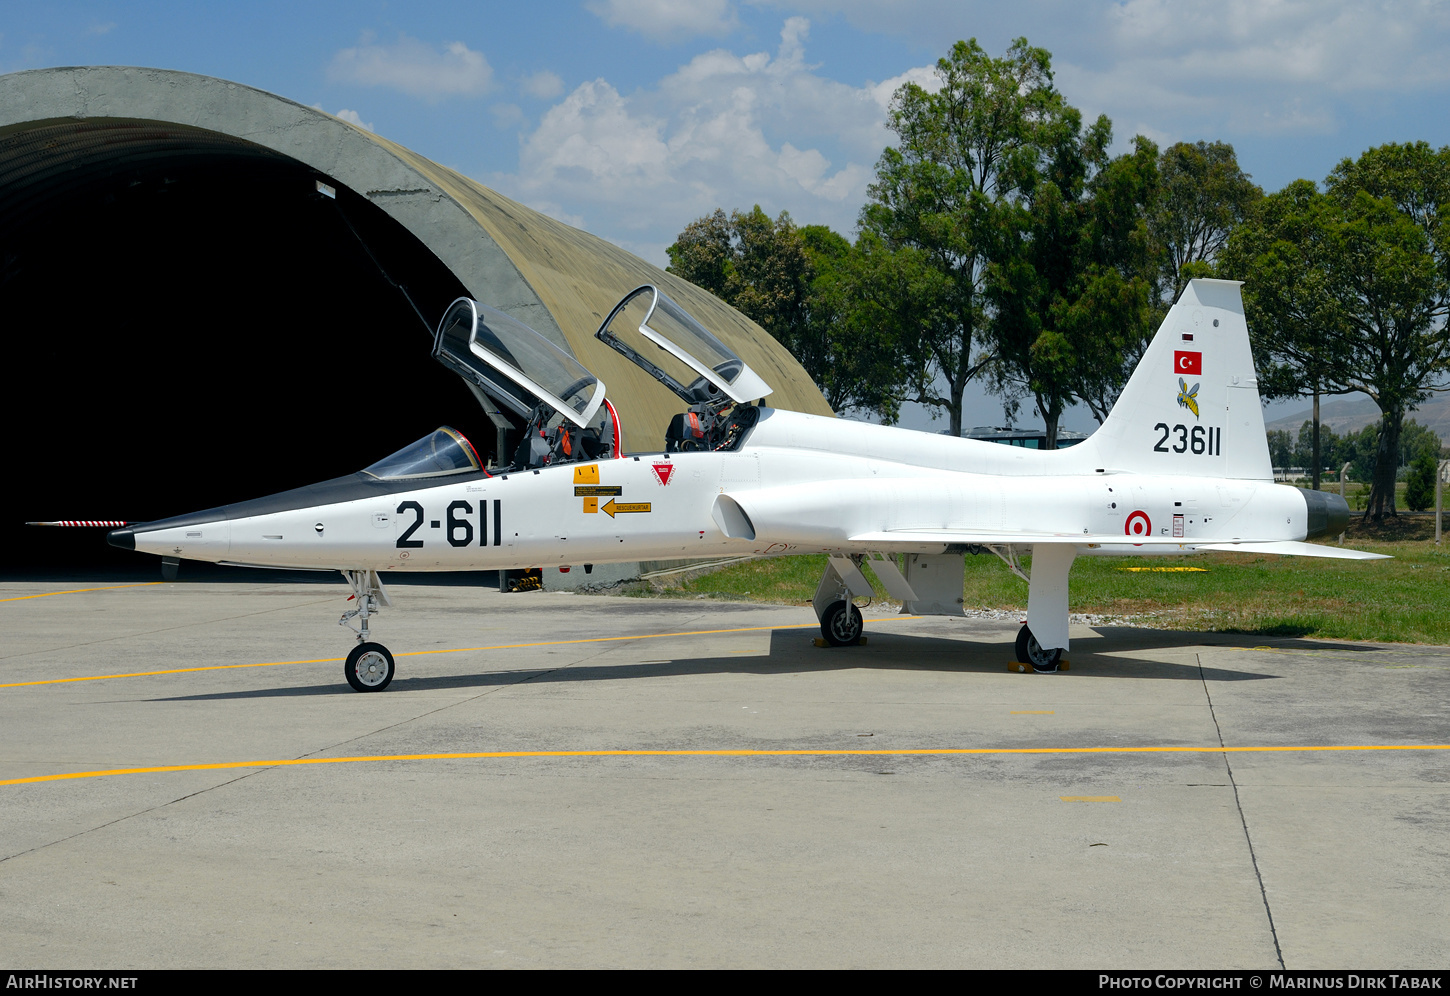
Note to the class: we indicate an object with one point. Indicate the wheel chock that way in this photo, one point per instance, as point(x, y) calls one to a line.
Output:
point(1016, 667)
point(820, 642)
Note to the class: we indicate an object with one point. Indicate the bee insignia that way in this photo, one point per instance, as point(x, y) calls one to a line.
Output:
point(1188, 398)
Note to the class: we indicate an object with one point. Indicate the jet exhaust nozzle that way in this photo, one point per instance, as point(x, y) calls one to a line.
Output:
point(1328, 513)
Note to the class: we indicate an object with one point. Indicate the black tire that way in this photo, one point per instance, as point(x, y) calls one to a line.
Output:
point(842, 625)
point(1029, 652)
point(369, 667)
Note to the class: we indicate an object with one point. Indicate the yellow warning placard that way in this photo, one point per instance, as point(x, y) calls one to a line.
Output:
point(615, 507)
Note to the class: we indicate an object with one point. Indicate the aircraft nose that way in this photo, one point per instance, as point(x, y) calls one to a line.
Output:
point(123, 538)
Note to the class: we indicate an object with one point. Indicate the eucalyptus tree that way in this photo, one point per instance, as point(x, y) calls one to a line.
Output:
point(1202, 196)
point(754, 263)
point(1070, 281)
point(803, 286)
point(1349, 290)
point(941, 199)
point(1283, 253)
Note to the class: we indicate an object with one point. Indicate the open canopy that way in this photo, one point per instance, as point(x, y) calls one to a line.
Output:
point(514, 364)
point(701, 369)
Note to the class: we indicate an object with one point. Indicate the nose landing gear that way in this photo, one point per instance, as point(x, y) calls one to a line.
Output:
point(369, 666)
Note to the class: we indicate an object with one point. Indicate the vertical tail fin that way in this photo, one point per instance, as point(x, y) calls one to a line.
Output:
point(1192, 405)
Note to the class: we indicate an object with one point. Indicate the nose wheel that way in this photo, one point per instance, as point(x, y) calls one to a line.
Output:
point(369, 667)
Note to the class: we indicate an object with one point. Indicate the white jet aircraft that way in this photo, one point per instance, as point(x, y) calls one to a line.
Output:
point(1181, 465)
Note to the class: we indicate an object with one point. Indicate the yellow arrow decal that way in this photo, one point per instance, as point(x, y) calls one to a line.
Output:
point(612, 506)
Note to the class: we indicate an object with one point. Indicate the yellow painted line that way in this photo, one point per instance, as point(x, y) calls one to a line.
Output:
point(1166, 569)
point(419, 653)
point(736, 752)
point(77, 591)
point(1034, 712)
point(1089, 798)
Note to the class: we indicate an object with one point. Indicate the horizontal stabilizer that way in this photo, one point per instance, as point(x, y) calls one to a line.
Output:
point(1294, 548)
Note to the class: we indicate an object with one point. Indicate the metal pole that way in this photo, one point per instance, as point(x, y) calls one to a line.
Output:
point(1439, 496)
point(1342, 471)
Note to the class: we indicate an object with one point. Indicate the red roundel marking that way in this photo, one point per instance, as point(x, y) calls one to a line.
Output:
point(1138, 524)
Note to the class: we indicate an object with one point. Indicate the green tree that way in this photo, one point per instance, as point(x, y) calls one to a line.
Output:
point(939, 203)
point(1306, 447)
point(1358, 449)
point(1420, 484)
point(800, 285)
point(1284, 249)
point(852, 357)
point(752, 262)
point(1202, 196)
point(1394, 198)
point(704, 254)
point(1346, 294)
point(1417, 440)
point(1070, 281)
point(1281, 447)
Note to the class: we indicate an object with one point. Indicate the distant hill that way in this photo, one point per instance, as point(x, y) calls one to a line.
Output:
point(1354, 412)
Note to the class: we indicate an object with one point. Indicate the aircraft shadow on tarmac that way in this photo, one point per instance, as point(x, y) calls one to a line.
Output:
point(792, 651)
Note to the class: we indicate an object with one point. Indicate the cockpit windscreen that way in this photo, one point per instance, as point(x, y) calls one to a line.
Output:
point(442, 452)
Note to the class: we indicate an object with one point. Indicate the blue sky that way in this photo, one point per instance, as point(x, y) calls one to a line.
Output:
point(631, 117)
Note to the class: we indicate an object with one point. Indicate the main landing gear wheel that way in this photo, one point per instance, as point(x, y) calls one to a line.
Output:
point(842, 625)
point(369, 667)
point(1029, 652)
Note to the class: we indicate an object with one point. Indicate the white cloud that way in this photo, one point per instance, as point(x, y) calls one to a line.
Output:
point(668, 20)
point(1337, 44)
point(544, 85)
point(1169, 68)
point(99, 28)
point(355, 118)
point(352, 117)
point(723, 130)
point(416, 68)
point(1268, 67)
point(506, 115)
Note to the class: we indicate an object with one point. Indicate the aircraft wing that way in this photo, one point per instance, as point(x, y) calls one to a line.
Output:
point(982, 537)
point(1295, 548)
point(1289, 548)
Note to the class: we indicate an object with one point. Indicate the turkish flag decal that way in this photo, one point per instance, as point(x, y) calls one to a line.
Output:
point(1185, 362)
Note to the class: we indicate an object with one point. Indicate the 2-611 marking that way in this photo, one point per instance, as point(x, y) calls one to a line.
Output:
point(460, 530)
point(1201, 439)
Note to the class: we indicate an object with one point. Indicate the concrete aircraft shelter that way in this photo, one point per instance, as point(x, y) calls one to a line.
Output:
point(200, 325)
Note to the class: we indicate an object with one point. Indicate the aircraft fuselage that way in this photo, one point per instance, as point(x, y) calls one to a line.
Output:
point(808, 484)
